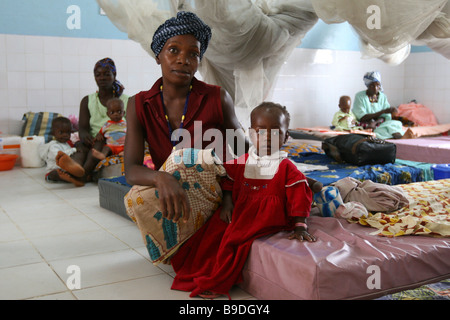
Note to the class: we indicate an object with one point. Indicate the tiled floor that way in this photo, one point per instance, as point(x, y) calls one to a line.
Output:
point(47, 229)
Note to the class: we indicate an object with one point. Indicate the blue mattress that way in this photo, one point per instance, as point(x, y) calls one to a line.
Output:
point(391, 174)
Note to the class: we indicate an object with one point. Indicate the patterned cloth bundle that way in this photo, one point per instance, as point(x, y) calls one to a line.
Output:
point(198, 172)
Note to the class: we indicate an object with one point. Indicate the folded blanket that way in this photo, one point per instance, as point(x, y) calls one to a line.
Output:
point(376, 197)
point(428, 212)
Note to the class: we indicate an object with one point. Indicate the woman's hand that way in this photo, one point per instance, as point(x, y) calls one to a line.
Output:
point(99, 137)
point(87, 139)
point(173, 199)
point(390, 110)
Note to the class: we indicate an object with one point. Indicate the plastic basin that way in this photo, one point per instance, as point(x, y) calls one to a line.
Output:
point(7, 161)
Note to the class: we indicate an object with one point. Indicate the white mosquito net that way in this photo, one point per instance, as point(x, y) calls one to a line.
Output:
point(400, 24)
point(253, 38)
point(250, 39)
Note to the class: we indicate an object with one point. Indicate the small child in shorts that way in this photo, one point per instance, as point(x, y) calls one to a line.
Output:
point(113, 132)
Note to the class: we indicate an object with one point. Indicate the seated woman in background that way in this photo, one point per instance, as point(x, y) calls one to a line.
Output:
point(93, 114)
point(372, 109)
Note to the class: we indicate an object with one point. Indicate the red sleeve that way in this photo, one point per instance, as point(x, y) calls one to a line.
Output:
point(298, 193)
point(102, 129)
point(231, 168)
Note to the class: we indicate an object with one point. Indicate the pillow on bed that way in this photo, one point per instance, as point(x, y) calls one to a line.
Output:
point(417, 113)
point(39, 124)
point(198, 172)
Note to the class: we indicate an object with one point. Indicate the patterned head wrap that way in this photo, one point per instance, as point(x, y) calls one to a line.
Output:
point(109, 63)
point(373, 76)
point(183, 23)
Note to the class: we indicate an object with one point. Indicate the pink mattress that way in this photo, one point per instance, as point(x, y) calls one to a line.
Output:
point(338, 265)
point(430, 149)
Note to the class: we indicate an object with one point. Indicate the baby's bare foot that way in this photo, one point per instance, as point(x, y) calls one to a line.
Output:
point(68, 164)
point(68, 178)
point(98, 155)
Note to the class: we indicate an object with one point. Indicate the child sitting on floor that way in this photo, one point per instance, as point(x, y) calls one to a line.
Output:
point(344, 119)
point(56, 153)
point(264, 193)
point(114, 130)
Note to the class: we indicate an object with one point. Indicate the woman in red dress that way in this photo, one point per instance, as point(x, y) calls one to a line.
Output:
point(176, 101)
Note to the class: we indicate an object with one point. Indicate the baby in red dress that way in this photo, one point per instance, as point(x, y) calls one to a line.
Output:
point(264, 193)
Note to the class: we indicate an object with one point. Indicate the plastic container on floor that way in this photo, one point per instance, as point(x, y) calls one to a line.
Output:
point(7, 161)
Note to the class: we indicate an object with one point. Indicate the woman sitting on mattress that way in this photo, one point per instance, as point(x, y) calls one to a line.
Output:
point(93, 115)
point(177, 100)
point(372, 109)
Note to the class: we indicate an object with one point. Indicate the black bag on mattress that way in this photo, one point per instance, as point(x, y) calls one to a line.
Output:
point(359, 149)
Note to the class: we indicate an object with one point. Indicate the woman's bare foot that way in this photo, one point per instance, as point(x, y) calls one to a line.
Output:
point(98, 155)
point(68, 164)
point(68, 178)
point(409, 134)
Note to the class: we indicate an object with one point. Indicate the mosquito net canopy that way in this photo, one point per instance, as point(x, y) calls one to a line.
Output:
point(251, 39)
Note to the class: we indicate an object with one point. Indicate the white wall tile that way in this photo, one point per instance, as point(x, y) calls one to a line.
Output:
point(3, 79)
point(70, 80)
point(15, 43)
point(17, 98)
point(71, 98)
point(53, 62)
point(35, 62)
point(3, 62)
point(17, 113)
point(17, 80)
point(53, 45)
point(70, 63)
point(36, 100)
point(16, 61)
point(53, 99)
point(34, 45)
point(72, 46)
point(2, 44)
point(53, 80)
point(4, 100)
point(35, 80)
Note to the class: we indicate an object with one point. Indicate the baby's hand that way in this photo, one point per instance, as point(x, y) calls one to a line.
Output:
point(99, 137)
point(302, 235)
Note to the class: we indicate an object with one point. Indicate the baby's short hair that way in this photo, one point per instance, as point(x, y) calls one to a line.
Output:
point(268, 106)
point(120, 101)
point(58, 122)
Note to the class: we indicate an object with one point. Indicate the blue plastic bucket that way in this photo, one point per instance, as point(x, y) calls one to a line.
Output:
point(441, 171)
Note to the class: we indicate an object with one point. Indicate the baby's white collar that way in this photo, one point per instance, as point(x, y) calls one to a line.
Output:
point(264, 167)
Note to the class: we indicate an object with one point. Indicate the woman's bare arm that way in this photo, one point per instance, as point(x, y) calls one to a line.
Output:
point(173, 199)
